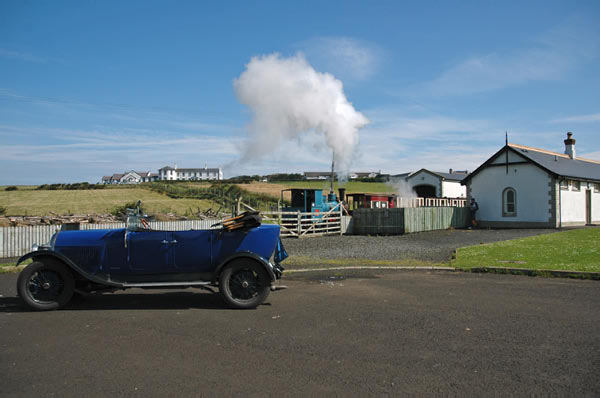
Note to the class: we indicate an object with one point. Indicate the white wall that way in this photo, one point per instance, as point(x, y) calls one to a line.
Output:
point(453, 189)
point(530, 183)
point(573, 208)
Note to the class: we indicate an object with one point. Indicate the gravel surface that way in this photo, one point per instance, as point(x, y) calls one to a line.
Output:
point(435, 246)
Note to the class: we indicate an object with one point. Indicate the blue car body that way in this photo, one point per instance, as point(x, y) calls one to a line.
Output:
point(123, 258)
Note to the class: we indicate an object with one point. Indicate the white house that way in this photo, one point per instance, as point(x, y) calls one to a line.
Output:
point(326, 175)
point(522, 187)
point(130, 177)
point(434, 184)
point(173, 173)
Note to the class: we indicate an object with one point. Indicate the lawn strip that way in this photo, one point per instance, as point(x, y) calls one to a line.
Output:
point(573, 250)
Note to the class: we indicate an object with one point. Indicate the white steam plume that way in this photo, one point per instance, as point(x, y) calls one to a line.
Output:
point(289, 98)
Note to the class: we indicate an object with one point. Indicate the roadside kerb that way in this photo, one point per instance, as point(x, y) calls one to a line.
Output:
point(536, 272)
point(497, 270)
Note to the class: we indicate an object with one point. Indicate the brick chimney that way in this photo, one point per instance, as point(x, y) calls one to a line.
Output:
point(570, 145)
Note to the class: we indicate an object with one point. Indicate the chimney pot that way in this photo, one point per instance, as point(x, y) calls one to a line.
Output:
point(570, 145)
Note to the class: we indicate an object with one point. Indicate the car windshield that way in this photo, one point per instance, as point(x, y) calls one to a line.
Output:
point(134, 219)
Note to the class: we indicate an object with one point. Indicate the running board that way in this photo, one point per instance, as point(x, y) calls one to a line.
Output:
point(165, 284)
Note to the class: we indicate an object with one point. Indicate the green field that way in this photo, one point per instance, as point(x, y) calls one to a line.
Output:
point(30, 202)
point(574, 250)
point(351, 186)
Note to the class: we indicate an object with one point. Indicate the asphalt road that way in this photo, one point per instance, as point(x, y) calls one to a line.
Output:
point(441, 333)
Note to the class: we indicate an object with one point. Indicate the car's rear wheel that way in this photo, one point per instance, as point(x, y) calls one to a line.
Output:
point(244, 284)
point(46, 285)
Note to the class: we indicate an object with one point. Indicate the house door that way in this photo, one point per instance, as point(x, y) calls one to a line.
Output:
point(588, 206)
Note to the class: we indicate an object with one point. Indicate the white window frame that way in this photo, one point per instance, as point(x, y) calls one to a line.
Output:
point(505, 203)
point(564, 185)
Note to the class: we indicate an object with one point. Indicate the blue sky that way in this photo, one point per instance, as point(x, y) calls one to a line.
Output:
point(91, 88)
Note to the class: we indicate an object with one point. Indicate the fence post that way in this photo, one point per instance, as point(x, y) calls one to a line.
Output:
point(299, 228)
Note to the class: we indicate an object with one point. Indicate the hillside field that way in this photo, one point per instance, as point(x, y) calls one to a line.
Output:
point(27, 201)
point(30, 202)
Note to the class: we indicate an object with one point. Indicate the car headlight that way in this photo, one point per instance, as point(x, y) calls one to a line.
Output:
point(35, 247)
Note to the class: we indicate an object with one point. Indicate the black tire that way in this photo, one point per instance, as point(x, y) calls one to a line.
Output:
point(46, 285)
point(244, 284)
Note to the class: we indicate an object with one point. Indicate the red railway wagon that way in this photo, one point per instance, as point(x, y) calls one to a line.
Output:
point(371, 201)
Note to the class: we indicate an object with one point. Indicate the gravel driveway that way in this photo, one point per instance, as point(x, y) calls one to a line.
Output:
point(435, 246)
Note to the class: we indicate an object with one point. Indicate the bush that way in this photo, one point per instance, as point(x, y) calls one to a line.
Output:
point(285, 177)
point(74, 186)
point(121, 211)
point(11, 188)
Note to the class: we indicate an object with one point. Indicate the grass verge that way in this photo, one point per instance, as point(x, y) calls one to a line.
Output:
point(7, 266)
point(574, 250)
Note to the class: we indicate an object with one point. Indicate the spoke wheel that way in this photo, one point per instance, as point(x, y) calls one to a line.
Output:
point(244, 284)
point(45, 285)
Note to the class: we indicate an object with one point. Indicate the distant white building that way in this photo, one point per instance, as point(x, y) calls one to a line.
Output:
point(176, 174)
point(130, 177)
point(524, 187)
point(326, 175)
point(166, 173)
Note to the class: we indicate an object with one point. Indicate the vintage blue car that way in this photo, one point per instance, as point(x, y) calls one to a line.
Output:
point(240, 256)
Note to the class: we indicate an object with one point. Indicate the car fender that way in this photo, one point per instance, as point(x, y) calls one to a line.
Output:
point(245, 254)
point(58, 256)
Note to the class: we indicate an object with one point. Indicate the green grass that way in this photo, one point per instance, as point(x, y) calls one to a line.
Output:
point(574, 250)
point(351, 186)
point(41, 203)
point(9, 266)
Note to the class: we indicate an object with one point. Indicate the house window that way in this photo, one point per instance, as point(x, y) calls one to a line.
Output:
point(564, 185)
point(575, 186)
point(509, 202)
point(597, 187)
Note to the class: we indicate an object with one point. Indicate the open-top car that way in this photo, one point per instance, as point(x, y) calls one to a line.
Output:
point(239, 255)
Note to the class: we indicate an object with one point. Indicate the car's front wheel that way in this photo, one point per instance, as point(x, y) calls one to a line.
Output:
point(244, 284)
point(45, 285)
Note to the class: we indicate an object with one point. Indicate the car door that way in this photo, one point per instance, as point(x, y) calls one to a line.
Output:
point(191, 251)
point(148, 251)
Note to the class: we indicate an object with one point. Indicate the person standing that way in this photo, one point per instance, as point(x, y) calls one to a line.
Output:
point(473, 207)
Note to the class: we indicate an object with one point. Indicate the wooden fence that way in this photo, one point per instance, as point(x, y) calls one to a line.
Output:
point(16, 241)
point(407, 220)
point(302, 225)
point(430, 202)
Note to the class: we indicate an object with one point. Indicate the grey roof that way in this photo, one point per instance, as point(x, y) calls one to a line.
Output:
point(452, 176)
point(446, 176)
point(560, 164)
point(198, 170)
point(216, 170)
